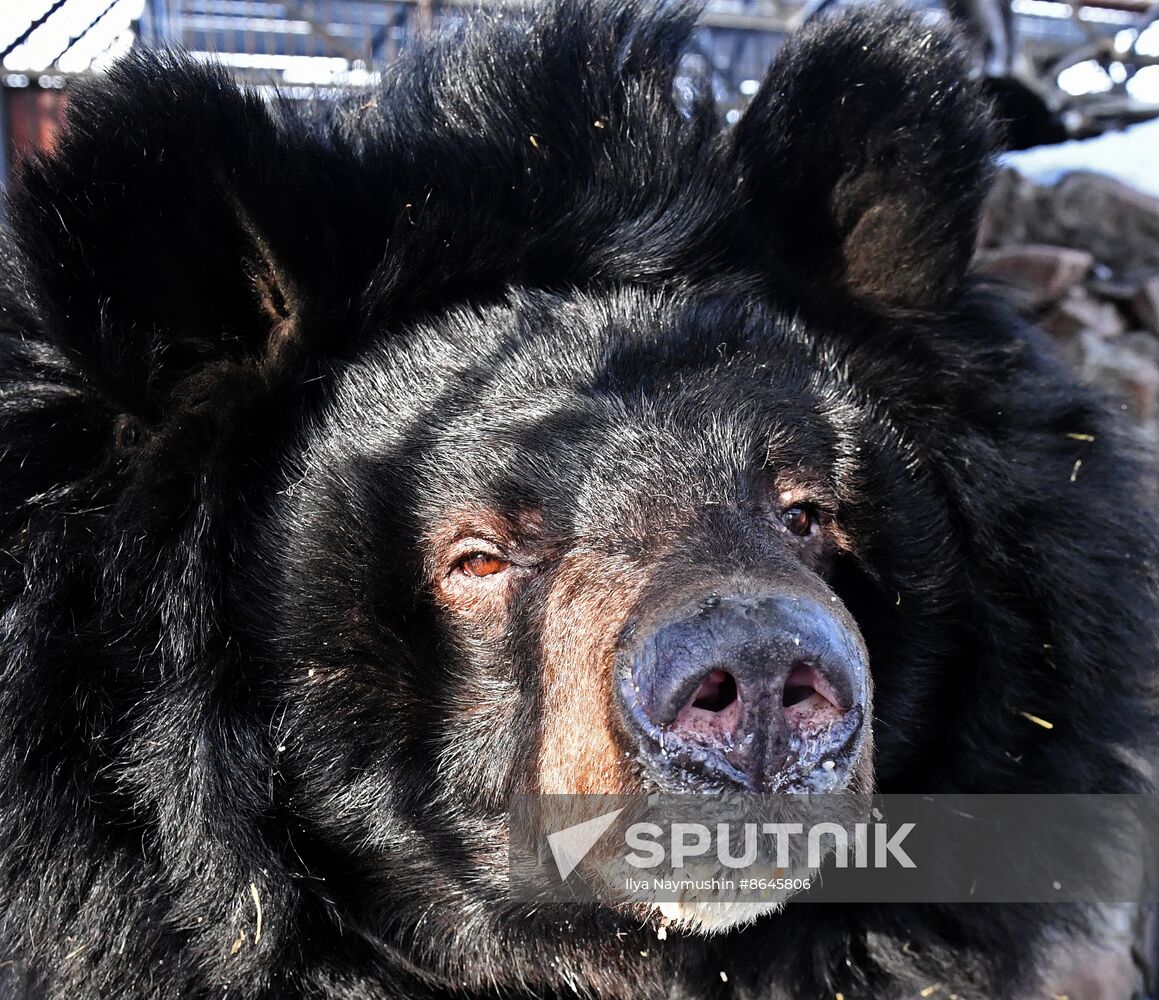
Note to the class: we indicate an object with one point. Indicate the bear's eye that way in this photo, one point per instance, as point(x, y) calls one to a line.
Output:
point(482, 564)
point(799, 519)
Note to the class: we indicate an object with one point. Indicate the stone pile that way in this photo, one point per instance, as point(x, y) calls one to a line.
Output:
point(1082, 259)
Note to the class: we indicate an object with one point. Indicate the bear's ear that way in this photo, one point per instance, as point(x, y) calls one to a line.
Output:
point(173, 230)
point(865, 156)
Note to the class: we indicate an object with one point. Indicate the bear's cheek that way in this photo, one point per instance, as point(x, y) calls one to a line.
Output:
point(590, 600)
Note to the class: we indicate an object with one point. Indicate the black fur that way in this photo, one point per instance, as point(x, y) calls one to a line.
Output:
point(248, 357)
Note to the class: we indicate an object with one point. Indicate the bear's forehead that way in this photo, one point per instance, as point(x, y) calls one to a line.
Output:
point(596, 406)
point(588, 362)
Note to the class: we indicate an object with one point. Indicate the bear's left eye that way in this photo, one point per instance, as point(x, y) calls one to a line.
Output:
point(482, 564)
point(799, 519)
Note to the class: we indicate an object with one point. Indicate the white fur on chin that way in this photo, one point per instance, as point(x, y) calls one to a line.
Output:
point(714, 918)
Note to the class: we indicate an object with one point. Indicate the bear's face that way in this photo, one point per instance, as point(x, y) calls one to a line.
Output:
point(594, 544)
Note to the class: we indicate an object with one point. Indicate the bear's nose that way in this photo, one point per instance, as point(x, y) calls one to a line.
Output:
point(762, 693)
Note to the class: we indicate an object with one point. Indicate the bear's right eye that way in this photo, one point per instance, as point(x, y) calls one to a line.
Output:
point(800, 519)
point(482, 564)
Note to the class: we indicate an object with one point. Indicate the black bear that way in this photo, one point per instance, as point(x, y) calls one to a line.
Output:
point(348, 454)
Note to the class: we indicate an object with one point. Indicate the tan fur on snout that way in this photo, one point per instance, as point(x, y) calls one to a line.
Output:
point(591, 599)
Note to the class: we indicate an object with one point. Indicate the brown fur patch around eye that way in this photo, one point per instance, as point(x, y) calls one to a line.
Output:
point(449, 542)
point(589, 602)
point(831, 533)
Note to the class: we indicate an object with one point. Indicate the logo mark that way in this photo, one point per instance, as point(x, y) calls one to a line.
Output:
point(570, 845)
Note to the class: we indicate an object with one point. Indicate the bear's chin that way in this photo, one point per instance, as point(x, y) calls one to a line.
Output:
point(707, 918)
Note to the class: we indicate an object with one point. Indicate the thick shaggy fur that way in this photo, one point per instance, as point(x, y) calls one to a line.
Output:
point(252, 362)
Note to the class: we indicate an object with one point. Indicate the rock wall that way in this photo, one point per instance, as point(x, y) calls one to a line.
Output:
point(1082, 257)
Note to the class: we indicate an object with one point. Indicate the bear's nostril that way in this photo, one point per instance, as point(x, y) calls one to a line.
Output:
point(800, 685)
point(716, 692)
point(809, 700)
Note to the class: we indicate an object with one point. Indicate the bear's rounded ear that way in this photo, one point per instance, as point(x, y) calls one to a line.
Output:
point(171, 229)
point(865, 157)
